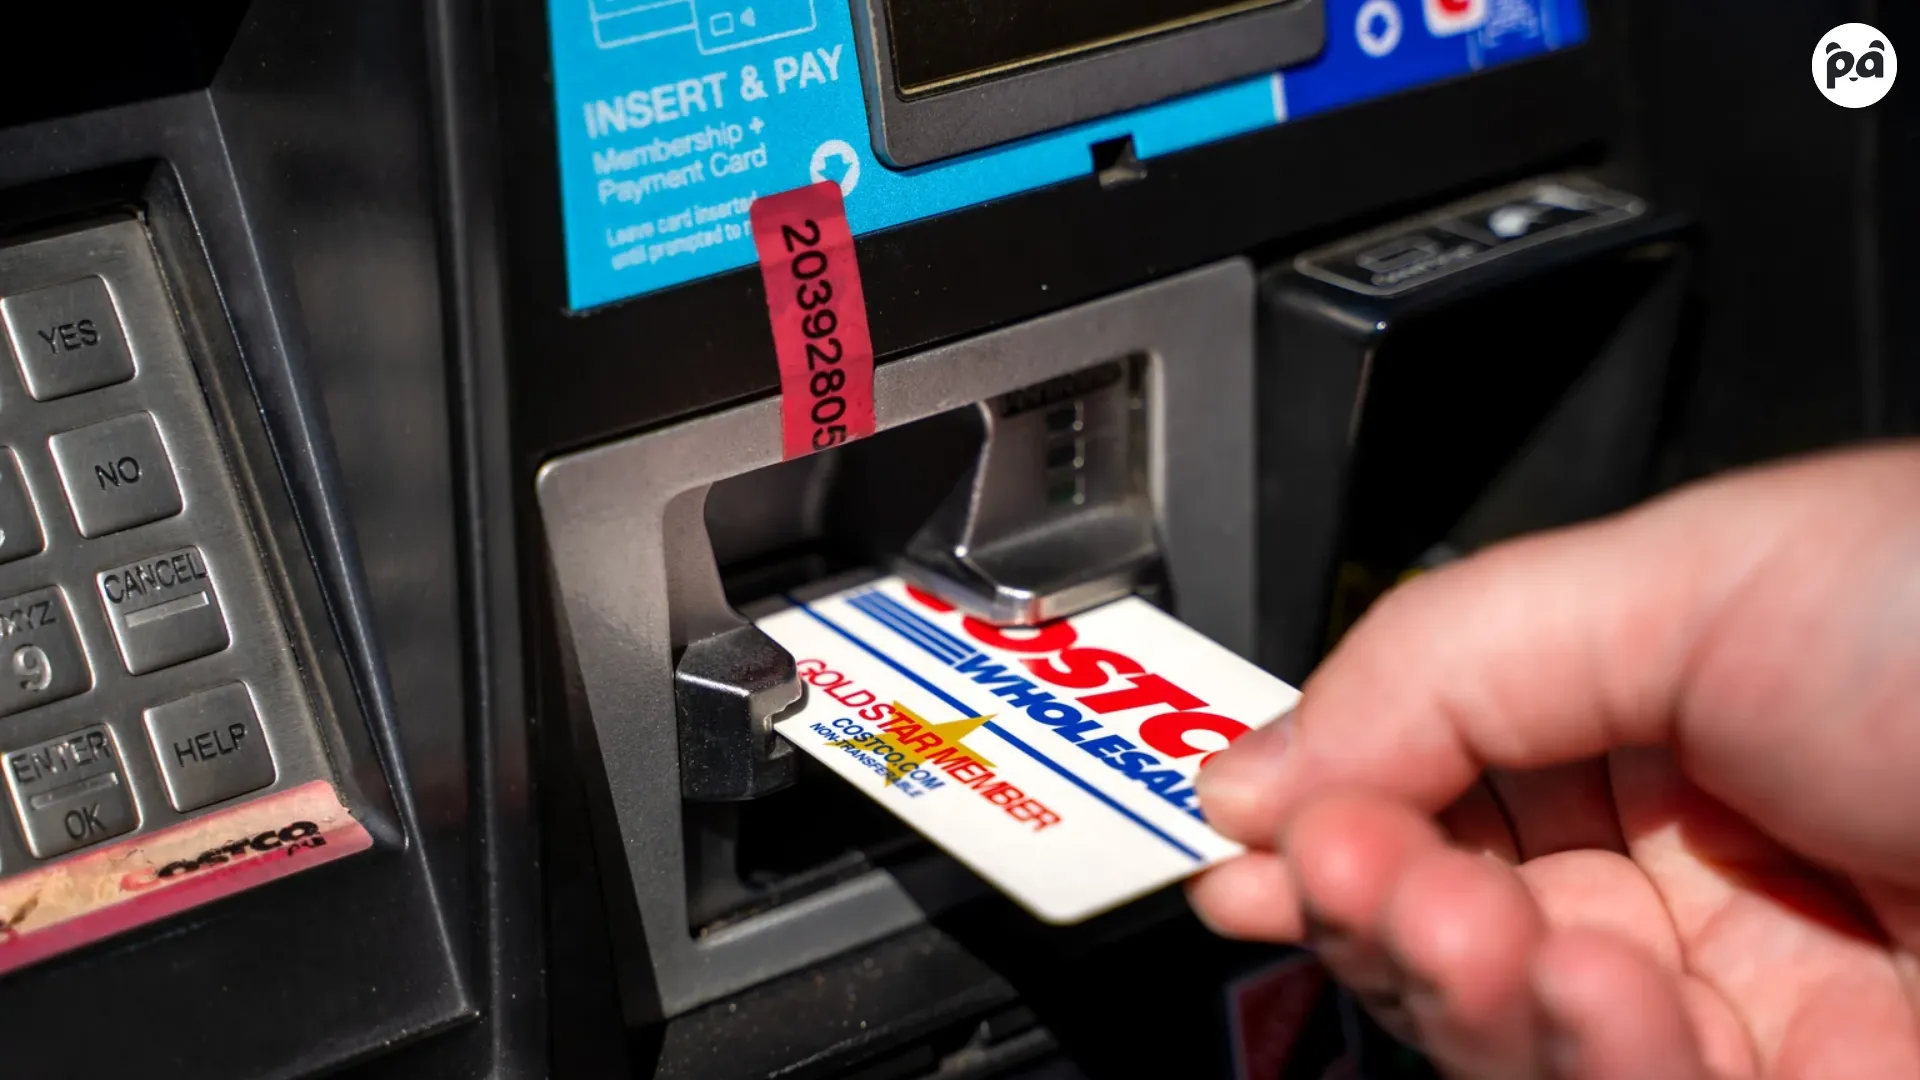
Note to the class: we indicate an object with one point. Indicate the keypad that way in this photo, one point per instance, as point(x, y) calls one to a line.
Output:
point(145, 673)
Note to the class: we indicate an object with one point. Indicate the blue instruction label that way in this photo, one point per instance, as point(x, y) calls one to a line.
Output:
point(675, 114)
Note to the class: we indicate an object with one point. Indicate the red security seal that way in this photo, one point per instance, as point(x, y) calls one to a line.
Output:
point(819, 316)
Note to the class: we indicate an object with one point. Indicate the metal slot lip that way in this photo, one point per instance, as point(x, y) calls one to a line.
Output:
point(1055, 516)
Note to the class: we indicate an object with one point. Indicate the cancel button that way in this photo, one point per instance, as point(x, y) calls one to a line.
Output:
point(165, 610)
point(209, 746)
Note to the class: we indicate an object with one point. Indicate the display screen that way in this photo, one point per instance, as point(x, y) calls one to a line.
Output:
point(942, 43)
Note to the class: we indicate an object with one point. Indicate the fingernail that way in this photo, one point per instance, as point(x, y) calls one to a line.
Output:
point(1245, 768)
point(1267, 741)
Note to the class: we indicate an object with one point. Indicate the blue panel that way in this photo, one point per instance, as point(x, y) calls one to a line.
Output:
point(675, 114)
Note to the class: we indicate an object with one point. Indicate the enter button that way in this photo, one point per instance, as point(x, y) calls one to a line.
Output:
point(209, 746)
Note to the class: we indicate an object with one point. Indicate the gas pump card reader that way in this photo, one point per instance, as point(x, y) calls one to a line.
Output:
point(1055, 761)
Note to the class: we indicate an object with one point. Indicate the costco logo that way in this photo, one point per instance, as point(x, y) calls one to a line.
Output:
point(1446, 18)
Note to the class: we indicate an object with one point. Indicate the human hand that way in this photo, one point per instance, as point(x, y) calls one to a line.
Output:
point(1630, 801)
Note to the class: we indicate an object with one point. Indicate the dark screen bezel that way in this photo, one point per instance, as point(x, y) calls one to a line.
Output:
point(1036, 52)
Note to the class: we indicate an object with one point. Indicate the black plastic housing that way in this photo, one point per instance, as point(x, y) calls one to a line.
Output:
point(357, 202)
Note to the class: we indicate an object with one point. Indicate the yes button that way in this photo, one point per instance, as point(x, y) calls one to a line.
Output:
point(164, 609)
point(67, 338)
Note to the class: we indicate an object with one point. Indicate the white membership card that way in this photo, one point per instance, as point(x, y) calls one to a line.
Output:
point(1057, 762)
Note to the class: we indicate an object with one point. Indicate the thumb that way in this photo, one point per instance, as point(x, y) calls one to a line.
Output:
point(1559, 647)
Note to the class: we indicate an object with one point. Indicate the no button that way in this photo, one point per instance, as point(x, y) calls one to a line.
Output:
point(117, 474)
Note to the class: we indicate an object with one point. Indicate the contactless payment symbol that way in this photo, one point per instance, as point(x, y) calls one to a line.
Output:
point(1377, 27)
point(1445, 18)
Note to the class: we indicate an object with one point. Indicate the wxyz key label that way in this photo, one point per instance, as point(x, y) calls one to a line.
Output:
point(819, 316)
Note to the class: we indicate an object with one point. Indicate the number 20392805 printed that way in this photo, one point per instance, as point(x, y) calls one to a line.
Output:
point(813, 294)
point(819, 317)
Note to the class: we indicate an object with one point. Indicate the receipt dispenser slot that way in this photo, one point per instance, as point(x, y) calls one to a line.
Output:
point(1495, 367)
point(1027, 473)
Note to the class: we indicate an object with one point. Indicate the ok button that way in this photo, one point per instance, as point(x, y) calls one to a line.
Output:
point(117, 474)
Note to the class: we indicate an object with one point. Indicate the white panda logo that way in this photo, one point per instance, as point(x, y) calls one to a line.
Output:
point(1854, 65)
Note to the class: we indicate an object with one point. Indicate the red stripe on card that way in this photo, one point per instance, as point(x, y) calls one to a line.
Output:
point(819, 315)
